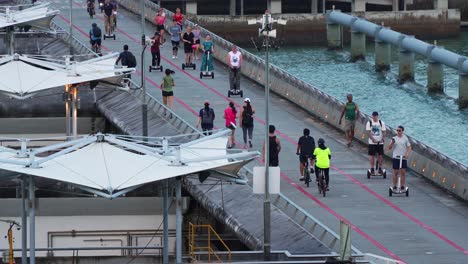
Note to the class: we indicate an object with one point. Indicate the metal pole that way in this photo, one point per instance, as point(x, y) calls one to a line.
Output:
point(144, 106)
point(67, 110)
point(75, 111)
point(266, 203)
point(71, 26)
point(24, 222)
point(165, 224)
point(269, 5)
point(178, 221)
point(32, 221)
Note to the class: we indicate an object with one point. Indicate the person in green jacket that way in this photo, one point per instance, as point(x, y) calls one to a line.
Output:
point(167, 87)
point(207, 47)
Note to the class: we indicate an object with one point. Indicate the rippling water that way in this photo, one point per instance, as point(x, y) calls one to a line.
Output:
point(432, 119)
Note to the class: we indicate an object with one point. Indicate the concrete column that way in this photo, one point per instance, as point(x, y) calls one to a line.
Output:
point(179, 220)
point(334, 36)
point(440, 4)
point(358, 5)
point(24, 222)
point(383, 56)
point(32, 221)
point(435, 77)
point(165, 223)
point(395, 6)
point(406, 68)
point(232, 8)
point(275, 7)
point(191, 7)
point(358, 46)
point(241, 7)
point(463, 91)
point(314, 6)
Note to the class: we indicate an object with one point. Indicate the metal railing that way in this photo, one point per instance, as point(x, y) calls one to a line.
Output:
point(193, 249)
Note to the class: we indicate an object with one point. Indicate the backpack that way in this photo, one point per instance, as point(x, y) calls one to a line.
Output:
point(207, 117)
point(131, 60)
point(370, 122)
point(247, 117)
point(97, 32)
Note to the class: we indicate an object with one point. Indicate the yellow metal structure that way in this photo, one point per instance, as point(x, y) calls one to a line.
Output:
point(210, 232)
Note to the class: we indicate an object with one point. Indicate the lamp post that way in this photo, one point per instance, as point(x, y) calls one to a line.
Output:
point(267, 31)
point(144, 106)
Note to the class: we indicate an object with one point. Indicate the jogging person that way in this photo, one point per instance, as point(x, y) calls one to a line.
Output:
point(376, 132)
point(159, 21)
point(246, 122)
point(274, 148)
point(305, 150)
point(90, 7)
point(322, 156)
point(401, 151)
point(155, 50)
point(350, 111)
point(188, 39)
point(108, 9)
point(175, 32)
point(234, 60)
point(179, 18)
point(230, 115)
point(196, 37)
point(95, 38)
point(167, 87)
point(206, 117)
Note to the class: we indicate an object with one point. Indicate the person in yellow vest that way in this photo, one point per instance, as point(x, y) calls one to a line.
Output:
point(322, 156)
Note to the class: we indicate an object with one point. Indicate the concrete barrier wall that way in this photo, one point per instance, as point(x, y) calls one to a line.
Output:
point(435, 166)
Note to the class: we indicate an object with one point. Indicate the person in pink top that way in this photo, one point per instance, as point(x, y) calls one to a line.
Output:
point(159, 21)
point(230, 115)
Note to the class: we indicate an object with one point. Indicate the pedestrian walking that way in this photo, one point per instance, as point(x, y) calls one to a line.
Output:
point(246, 122)
point(196, 37)
point(206, 117)
point(230, 116)
point(274, 148)
point(167, 86)
point(175, 32)
point(350, 111)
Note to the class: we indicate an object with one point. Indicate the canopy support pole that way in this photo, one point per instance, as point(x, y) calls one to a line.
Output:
point(67, 110)
point(165, 223)
point(32, 221)
point(75, 111)
point(178, 220)
point(24, 223)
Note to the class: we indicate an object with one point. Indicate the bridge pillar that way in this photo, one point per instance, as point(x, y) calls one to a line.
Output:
point(440, 4)
point(406, 68)
point(275, 7)
point(358, 46)
point(232, 7)
point(334, 36)
point(383, 56)
point(463, 91)
point(435, 77)
point(191, 7)
point(314, 6)
point(358, 5)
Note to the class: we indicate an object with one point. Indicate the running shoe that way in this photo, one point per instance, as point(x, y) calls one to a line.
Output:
point(250, 144)
point(372, 171)
point(301, 178)
point(173, 57)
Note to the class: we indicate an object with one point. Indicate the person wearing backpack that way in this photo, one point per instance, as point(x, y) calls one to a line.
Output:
point(95, 35)
point(126, 58)
point(206, 118)
point(246, 122)
point(376, 132)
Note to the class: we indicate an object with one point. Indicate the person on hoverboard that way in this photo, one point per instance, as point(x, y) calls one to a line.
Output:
point(207, 60)
point(376, 132)
point(401, 151)
point(235, 62)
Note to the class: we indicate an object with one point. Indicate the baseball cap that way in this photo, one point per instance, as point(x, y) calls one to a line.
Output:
point(247, 100)
point(206, 102)
point(375, 113)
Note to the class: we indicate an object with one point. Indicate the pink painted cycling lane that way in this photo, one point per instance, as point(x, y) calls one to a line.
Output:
point(409, 238)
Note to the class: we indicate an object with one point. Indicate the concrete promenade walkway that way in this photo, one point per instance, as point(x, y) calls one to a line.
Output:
point(429, 226)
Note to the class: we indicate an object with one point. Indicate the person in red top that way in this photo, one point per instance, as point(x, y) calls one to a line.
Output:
point(179, 18)
point(230, 115)
point(155, 51)
point(159, 21)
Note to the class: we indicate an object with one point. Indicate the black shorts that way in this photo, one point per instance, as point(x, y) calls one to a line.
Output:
point(197, 41)
point(175, 43)
point(166, 94)
point(231, 127)
point(160, 27)
point(375, 149)
point(188, 48)
point(303, 158)
point(396, 163)
point(97, 41)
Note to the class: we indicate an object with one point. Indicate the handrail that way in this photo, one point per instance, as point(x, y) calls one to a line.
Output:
point(193, 248)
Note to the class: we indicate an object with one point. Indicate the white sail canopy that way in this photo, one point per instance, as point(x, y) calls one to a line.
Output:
point(38, 16)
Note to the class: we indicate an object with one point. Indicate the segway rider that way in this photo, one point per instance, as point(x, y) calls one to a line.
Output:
point(247, 122)
point(95, 36)
point(175, 32)
point(322, 156)
point(155, 51)
point(206, 117)
point(305, 150)
point(108, 9)
point(401, 151)
point(350, 111)
point(376, 132)
point(235, 62)
point(207, 60)
point(179, 18)
point(188, 39)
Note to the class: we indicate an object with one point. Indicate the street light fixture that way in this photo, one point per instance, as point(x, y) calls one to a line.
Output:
point(10, 238)
point(267, 32)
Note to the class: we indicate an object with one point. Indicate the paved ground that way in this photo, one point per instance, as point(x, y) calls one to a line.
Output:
point(427, 227)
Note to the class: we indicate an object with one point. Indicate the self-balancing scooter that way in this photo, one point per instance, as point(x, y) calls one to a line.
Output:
point(235, 89)
point(112, 26)
point(207, 73)
point(398, 190)
point(190, 64)
point(376, 171)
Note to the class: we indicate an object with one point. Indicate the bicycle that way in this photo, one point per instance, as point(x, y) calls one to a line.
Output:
point(91, 9)
point(307, 179)
point(321, 183)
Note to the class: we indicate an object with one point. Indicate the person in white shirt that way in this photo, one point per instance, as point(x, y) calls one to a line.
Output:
point(376, 132)
point(400, 152)
point(235, 62)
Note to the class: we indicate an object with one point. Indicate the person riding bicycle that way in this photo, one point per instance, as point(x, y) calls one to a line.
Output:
point(90, 6)
point(108, 17)
point(95, 35)
point(322, 156)
point(305, 150)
